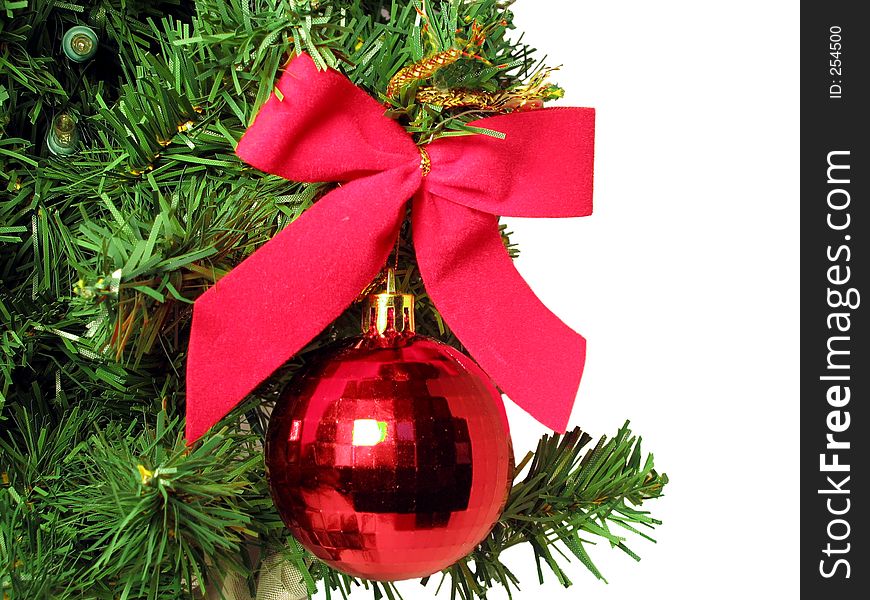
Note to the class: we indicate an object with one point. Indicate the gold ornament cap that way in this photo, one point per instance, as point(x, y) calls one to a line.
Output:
point(388, 313)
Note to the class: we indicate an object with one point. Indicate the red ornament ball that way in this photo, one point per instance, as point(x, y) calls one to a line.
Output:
point(390, 458)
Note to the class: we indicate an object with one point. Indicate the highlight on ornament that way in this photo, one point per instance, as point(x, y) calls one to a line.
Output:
point(369, 432)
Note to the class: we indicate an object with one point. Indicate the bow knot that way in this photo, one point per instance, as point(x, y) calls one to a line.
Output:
point(323, 128)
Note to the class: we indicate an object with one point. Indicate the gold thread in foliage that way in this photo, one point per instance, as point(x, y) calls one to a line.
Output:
point(145, 474)
point(425, 161)
point(423, 69)
point(525, 97)
point(456, 98)
point(427, 67)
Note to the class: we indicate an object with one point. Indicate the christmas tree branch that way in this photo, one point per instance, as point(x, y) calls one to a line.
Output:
point(564, 496)
point(103, 250)
point(134, 513)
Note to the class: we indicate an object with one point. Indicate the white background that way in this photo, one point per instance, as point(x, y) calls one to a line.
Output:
point(684, 282)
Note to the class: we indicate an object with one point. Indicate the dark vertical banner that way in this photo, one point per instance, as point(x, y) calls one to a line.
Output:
point(835, 361)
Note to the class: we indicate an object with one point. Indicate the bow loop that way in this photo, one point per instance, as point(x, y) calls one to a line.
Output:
point(541, 167)
point(323, 128)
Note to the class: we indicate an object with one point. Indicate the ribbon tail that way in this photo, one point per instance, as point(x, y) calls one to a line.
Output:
point(273, 303)
point(528, 351)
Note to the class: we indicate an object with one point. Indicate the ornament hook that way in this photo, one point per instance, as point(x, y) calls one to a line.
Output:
point(389, 312)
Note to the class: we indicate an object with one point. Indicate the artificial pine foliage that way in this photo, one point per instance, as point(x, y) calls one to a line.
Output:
point(103, 250)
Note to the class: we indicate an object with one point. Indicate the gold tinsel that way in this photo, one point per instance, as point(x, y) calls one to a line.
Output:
point(422, 69)
point(457, 98)
point(525, 97)
point(427, 67)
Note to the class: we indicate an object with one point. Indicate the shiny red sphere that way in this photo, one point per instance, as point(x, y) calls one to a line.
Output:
point(390, 460)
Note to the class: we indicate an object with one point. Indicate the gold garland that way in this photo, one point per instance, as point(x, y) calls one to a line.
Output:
point(422, 69)
point(525, 97)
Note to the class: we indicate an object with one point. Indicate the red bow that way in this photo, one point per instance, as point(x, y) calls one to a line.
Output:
point(326, 129)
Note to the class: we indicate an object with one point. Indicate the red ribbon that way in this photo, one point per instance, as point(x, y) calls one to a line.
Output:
point(326, 129)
